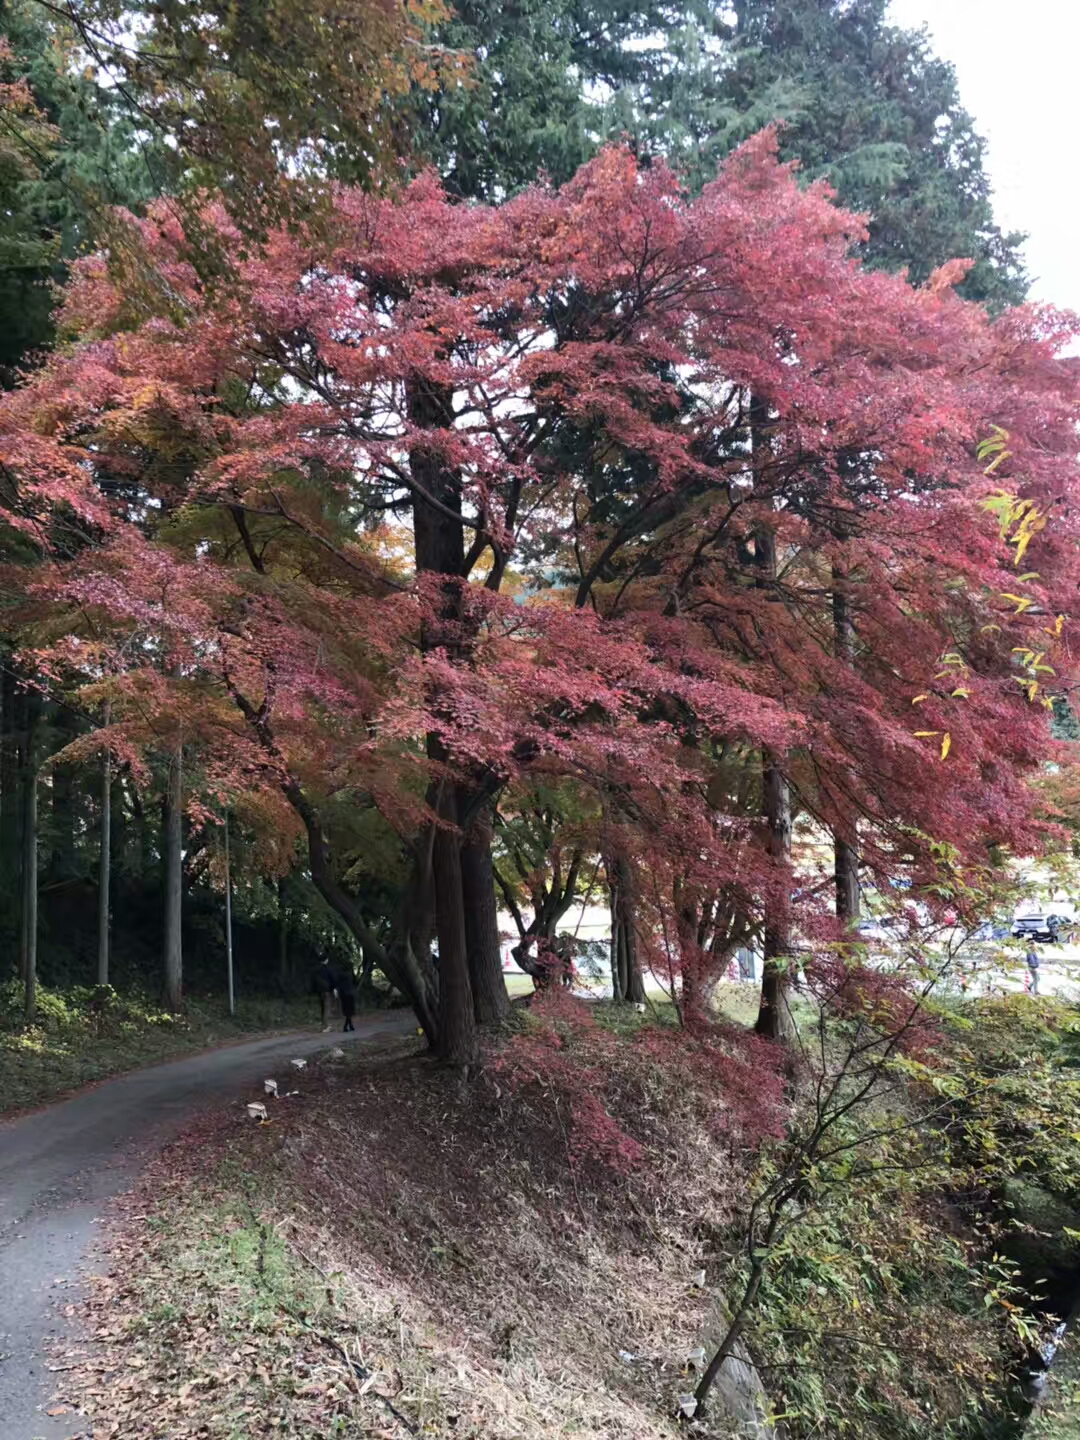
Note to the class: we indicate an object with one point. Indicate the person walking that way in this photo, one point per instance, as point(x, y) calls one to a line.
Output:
point(322, 983)
point(345, 984)
point(1032, 960)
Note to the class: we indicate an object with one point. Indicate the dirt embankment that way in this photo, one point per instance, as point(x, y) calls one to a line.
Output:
point(392, 1257)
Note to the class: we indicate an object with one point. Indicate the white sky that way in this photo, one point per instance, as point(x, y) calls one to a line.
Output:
point(1019, 74)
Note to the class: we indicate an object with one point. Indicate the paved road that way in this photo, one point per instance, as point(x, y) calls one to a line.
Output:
point(58, 1167)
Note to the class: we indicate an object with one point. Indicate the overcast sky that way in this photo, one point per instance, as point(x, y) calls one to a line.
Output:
point(1019, 73)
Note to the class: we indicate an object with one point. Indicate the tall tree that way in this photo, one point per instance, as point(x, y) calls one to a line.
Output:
point(105, 862)
point(865, 104)
point(576, 409)
point(874, 111)
point(173, 863)
point(29, 764)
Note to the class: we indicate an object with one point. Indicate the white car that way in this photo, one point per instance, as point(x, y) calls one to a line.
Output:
point(1050, 924)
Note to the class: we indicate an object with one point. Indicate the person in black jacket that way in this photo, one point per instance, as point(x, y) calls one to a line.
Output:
point(322, 983)
point(345, 984)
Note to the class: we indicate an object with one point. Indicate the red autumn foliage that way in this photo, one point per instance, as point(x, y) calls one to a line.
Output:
point(221, 475)
point(735, 1079)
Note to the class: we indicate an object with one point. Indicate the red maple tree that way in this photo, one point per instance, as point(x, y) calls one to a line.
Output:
point(664, 500)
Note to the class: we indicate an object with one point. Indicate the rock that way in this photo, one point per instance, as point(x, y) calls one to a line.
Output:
point(737, 1390)
point(1037, 1242)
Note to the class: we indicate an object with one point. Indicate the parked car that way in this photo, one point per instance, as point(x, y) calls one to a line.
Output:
point(1048, 926)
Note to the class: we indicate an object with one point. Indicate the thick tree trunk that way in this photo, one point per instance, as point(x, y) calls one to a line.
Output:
point(174, 867)
point(845, 856)
point(105, 865)
point(491, 1003)
point(774, 1015)
point(457, 1024)
point(28, 945)
point(439, 544)
point(846, 876)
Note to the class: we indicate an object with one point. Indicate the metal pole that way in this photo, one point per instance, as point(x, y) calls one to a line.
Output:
point(228, 919)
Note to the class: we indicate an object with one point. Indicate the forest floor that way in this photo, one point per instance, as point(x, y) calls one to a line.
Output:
point(393, 1256)
point(76, 1041)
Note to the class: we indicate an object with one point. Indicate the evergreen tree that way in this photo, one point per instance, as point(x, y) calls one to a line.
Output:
point(862, 102)
point(870, 107)
point(539, 94)
point(67, 152)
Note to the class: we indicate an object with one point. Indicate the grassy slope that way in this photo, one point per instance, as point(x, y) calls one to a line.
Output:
point(72, 1044)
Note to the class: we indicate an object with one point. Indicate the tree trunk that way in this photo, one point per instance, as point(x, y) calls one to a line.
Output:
point(626, 967)
point(64, 796)
point(402, 967)
point(457, 1026)
point(28, 937)
point(845, 856)
point(491, 1003)
point(846, 875)
point(174, 866)
point(140, 864)
point(774, 1016)
point(10, 789)
point(105, 865)
point(439, 545)
point(283, 938)
point(228, 922)
point(619, 984)
point(367, 973)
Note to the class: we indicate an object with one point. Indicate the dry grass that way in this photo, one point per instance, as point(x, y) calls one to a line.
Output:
point(394, 1257)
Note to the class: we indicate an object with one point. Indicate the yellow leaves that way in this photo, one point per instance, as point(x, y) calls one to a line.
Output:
point(918, 699)
point(961, 694)
point(1055, 629)
point(1032, 523)
point(1019, 520)
point(946, 740)
point(1029, 687)
point(995, 445)
point(1022, 602)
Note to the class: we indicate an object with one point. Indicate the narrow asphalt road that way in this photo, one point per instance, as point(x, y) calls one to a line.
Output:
point(57, 1168)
